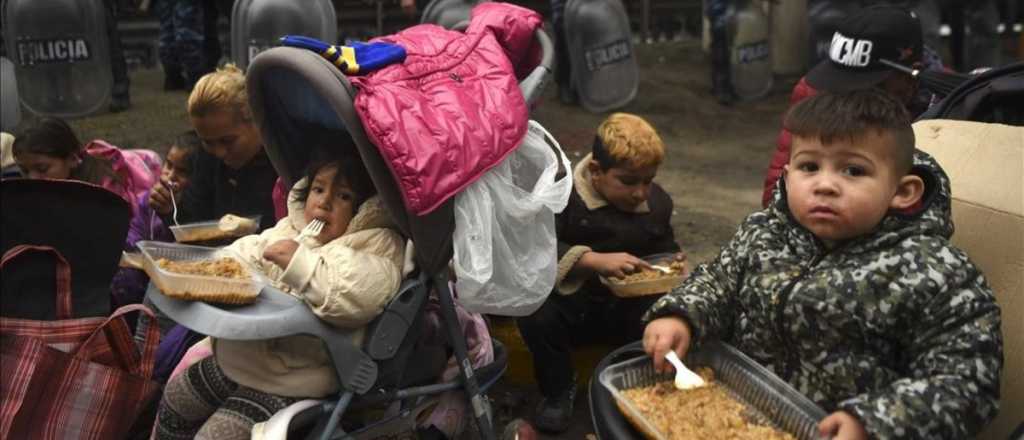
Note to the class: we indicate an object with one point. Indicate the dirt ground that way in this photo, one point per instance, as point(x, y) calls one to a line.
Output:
point(714, 168)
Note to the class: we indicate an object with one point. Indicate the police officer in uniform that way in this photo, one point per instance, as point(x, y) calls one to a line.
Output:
point(563, 73)
point(212, 51)
point(181, 42)
point(120, 97)
point(721, 81)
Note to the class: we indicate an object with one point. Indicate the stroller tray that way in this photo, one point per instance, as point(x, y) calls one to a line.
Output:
point(767, 399)
point(207, 288)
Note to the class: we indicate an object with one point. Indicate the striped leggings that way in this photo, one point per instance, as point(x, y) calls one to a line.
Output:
point(202, 403)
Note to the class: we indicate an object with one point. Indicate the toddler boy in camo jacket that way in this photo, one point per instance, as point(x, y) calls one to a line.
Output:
point(847, 287)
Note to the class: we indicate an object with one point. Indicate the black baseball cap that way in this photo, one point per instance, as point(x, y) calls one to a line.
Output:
point(875, 33)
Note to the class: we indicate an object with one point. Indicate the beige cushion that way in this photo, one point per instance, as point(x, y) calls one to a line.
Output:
point(985, 163)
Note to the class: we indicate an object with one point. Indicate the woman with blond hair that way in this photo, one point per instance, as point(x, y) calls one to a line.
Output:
point(232, 174)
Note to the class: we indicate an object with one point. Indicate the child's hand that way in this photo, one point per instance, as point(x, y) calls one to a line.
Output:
point(281, 252)
point(664, 334)
point(616, 265)
point(160, 197)
point(840, 425)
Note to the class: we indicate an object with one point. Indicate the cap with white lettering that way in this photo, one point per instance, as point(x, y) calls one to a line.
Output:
point(878, 32)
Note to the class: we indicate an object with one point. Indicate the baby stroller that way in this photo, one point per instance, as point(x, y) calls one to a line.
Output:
point(296, 94)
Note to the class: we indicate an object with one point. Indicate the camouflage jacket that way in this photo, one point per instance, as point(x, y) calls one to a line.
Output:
point(896, 327)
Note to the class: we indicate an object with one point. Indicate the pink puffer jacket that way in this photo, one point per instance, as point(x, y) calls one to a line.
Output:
point(453, 109)
point(138, 170)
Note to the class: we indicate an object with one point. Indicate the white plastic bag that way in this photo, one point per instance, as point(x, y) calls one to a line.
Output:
point(505, 248)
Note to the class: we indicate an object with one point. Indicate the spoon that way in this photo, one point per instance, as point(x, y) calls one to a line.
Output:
point(685, 378)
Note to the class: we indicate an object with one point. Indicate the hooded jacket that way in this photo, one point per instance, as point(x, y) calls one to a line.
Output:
point(453, 109)
point(137, 170)
point(896, 327)
point(346, 282)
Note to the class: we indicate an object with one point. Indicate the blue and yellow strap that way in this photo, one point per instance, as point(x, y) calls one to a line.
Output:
point(359, 58)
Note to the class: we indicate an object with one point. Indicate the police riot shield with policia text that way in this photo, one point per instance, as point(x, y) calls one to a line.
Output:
point(604, 70)
point(258, 25)
point(60, 55)
point(750, 50)
point(10, 107)
point(447, 13)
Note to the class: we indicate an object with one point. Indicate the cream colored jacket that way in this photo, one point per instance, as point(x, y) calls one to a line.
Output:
point(346, 282)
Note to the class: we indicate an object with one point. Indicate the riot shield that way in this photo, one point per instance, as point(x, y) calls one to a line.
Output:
point(750, 51)
point(60, 54)
point(604, 70)
point(258, 25)
point(10, 107)
point(447, 13)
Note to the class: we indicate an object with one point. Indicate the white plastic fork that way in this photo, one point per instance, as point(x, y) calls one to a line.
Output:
point(312, 229)
point(174, 205)
point(685, 378)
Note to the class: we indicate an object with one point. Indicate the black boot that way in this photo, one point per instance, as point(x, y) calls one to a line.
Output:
point(554, 414)
point(563, 67)
point(120, 98)
point(173, 79)
point(191, 79)
point(566, 95)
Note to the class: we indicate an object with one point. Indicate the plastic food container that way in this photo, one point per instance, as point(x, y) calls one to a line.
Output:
point(210, 230)
point(199, 287)
point(770, 400)
point(662, 284)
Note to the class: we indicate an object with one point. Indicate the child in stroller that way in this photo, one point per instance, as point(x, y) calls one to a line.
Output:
point(293, 94)
point(346, 274)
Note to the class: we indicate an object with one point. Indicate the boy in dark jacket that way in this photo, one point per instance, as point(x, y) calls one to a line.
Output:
point(847, 286)
point(615, 215)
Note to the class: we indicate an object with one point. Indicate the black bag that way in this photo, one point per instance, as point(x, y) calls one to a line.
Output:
point(996, 96)
point(85, 223)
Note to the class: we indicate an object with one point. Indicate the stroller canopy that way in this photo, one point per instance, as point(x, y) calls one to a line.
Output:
point(295, 95)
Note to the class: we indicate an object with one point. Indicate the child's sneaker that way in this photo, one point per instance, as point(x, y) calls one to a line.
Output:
point(554, 414)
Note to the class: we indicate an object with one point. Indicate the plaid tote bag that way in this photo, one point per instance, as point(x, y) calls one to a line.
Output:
point(84, 378)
